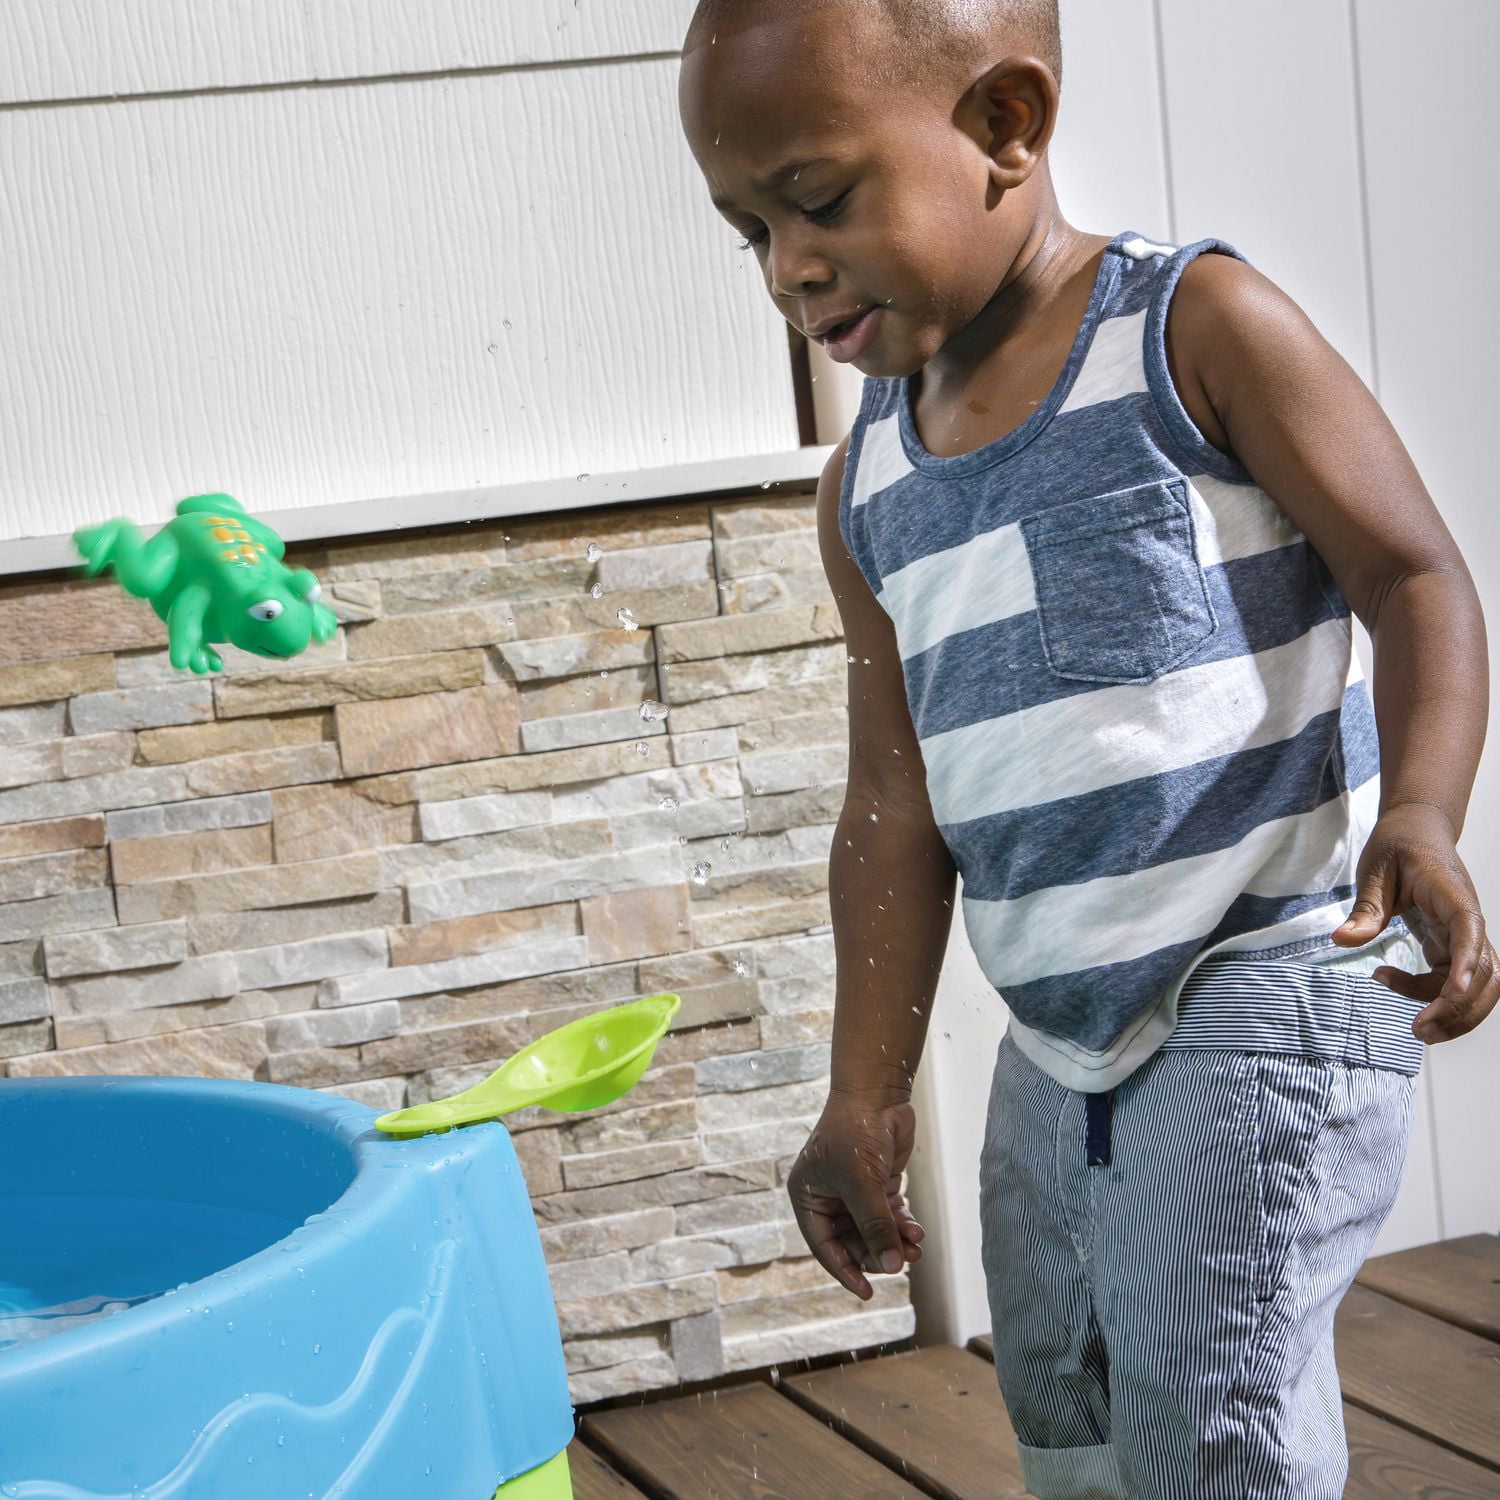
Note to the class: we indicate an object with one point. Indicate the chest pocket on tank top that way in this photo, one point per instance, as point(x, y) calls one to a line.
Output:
point(1120, 594)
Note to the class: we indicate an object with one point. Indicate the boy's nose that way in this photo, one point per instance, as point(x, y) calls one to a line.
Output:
point(795, 274)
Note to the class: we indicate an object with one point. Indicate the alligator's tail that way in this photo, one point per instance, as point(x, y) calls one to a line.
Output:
point(209, 505)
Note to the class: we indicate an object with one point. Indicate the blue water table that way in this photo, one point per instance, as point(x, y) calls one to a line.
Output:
point(218, 1290)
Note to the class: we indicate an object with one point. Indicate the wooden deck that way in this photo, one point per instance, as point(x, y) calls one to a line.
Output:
point(1418, 1348)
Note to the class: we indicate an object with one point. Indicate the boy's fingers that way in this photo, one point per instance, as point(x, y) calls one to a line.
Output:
point(877, 1225)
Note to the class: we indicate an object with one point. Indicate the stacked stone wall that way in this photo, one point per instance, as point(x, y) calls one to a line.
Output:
point(379, 870)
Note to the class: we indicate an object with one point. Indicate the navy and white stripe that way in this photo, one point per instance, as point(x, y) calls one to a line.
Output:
point(1147, 736)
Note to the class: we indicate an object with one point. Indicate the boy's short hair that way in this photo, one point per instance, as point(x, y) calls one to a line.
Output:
point(934, 35)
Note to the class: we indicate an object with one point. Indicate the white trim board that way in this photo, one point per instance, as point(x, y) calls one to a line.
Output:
point(483, 503)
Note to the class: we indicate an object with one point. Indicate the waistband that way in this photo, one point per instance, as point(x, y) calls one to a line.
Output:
point(1322, 1009)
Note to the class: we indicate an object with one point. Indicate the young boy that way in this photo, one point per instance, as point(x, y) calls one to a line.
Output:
point(1092, 537)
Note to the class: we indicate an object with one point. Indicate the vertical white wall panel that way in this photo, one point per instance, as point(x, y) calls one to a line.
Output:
point(1433, 224)
point(1264, 149)
point(314, 296)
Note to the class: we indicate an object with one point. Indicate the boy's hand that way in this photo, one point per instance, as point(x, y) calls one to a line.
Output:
point(846, 1189)
point(1411, 861)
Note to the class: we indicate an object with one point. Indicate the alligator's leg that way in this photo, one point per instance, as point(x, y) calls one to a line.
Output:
point(185, 644)
point(144, 568)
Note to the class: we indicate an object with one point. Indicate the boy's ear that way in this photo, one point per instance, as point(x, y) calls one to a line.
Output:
point(1011, 111)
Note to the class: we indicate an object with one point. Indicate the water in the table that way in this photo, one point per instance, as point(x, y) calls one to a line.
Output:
point(67, 1261)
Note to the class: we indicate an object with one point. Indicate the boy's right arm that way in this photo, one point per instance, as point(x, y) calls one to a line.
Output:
point(891, 886)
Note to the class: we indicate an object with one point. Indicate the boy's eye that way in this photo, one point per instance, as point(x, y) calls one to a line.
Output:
point(824, 214)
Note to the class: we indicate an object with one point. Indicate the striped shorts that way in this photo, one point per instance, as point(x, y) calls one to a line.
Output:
point(1164, 1260)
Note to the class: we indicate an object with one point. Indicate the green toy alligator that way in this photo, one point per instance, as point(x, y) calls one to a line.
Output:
point(213, 574)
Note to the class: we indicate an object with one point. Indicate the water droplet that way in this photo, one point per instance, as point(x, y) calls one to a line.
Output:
point(506, 323)
point(651, 710)
point(594, 551)
point(317, 1348)
point(208, 1312)
point(851, 658)
point(724, 846)
point(626, 619)
point(229, 1326)
point(874, 817)
point(597, 590)
point(281, 1440)
point(642, 749)
point(765, 484)
point(668, 804)
point(682, 838)
point(583, 479)
point(740, 967)
point(701, 871)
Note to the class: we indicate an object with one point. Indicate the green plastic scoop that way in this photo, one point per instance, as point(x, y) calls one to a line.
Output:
point(587, 1063)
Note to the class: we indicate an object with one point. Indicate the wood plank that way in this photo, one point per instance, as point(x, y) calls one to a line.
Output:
point(741, 1443)
point(593, 1479)
point(1387, 1462)
point(984, 1346)
point(935, 1414)
point(434, 299)
point(1456, 1280)
point(1421, 1372)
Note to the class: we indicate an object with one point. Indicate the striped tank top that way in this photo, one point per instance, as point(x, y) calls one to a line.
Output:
point(1148, 739)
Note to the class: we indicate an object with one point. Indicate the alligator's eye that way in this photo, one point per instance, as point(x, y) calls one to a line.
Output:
point(267, 609)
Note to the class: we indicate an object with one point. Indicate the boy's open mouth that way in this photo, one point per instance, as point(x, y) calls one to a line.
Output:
point(838, 330)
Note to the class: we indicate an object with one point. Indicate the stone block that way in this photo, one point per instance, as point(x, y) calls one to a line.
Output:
point(210, 852)
point(797, 1028)
point(775, 591)
point(261, 770)
point(432, 631)
point(568, 880)
point(596, 1277)
point(76, 911)
point(441, 1047)
point(445, 589)
point(630, 568)
point(568, 535)
point(134, 787)
point(829, 726)
point(25, 765)
point(554, 769)
point(190, 702)
point(212, 1052)
point(536, 846)
point(110, 950)
point(233, 737)
point(618, 1349)
point(743, 1245)
point(629, 1164)
point(708, 1041)
point(760, 1106)
point(98, 754)
point(649, 607)
point(319, 820)
point(644, 791)
point(698, 1346)
point(813, 1304)
point(637, 1307)
point(737, 1210)
point(774, 552)
point(488, 814)
point(731, 635)
point(801, 992)
point(454, 973)
point(218, 932)
point(712, 927)
point(35, 721)
point(816, 804)
point(276, 885)
point(795, 770)
point(567, 730)
point(27, 1037)
point(796, 957)
point(44, 621)
point(759, 1070)
point(214, 977)
point(189, 817)
point(757, 517)
point(708, 744)
point(539, 1154)
point(378, 1093)
point(46, 681)
point(683, 682)
point(814, 696)
point(432, 942)
point(427, 730)
point(862, 1330)
point(402, 556)
point(625, 687)
point(39, 875)
point(635, 924)
point(595, 1237)
point(761, 1284)
point(376, 681)
point(760, 887)
point(573, 655)
point(22, 839)
point(150, 668)
point(709, 818)
point(313, 959)
point(24, 1000)
point(631, 1127)
point(649, 1374)
point(333, 1028)
point(672, 1188)
point(189, 1015)
point(23, 960)
point(770, 1138)
point(353, 600)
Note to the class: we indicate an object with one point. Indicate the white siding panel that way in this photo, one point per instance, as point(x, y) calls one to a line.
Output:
point(73, 49)
point(1433, 223)
point(1108, 163)
point(1265, 149)
point(359, 38)
point(317, 296)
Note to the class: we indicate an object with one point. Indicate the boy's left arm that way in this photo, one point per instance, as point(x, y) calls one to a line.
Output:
point(1312, 435)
